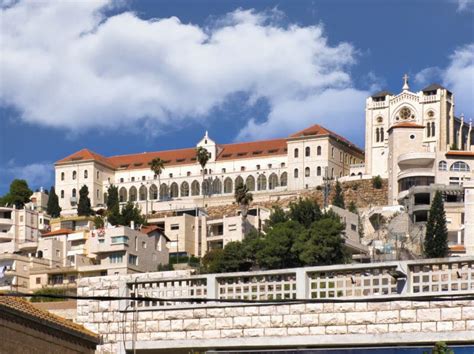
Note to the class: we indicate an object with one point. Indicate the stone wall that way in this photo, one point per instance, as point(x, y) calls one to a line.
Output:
point(392, 322)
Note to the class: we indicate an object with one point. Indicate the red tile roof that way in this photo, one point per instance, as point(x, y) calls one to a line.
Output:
point(317, 130)
point(58, 232)
point(21, 307)
point(460, 153)
point(187, 156)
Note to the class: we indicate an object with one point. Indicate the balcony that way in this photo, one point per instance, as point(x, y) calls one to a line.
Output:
point(6, 237)
point(415, 172)
point(6, 221)
point(416, 158)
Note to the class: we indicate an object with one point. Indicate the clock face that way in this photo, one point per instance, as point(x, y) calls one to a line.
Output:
point(405, 113)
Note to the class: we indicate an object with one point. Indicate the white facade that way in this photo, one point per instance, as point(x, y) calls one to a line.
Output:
point(265, 166)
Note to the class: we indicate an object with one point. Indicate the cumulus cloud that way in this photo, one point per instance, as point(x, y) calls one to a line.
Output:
point(36, 174)
point(69, 65)
point(464, 5)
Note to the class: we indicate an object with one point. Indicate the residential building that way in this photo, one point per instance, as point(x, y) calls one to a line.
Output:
point(288, 164)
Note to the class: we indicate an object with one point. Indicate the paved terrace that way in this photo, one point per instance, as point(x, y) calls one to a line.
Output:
point(391, 303)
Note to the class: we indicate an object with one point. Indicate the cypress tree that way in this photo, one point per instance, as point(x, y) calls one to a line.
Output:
point(84, 205)
point(113, 206)
point(338, 199)
point(436, 237)
point(53, 209)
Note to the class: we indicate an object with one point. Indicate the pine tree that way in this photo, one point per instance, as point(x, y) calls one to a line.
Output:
point(113, 206)
point(436, 238)
point(84, 205)
point(338, 199)
point(53, 209)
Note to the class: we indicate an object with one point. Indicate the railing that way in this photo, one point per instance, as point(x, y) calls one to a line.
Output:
point(430, 98)
point(403, 278)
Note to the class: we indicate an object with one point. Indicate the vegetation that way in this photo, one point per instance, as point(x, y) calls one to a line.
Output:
point(440, 348)
point(113, 205)
point(84, 205)
point(338, 199)
point(303, 236)
point(48, 291)
point(53, 209)
point(130, 212)
point(202, 156)
point(436, 238)
point(157, 165)
point(377, 182)
point(18, 195)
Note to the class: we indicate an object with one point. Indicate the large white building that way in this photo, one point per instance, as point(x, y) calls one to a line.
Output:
point(297, 162)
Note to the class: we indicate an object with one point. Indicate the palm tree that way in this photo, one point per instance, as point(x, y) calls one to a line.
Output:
point(243, 197)
point(203, 157)
point(157, 165)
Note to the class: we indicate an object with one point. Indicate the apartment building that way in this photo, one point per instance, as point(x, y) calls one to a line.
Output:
point(269, 166)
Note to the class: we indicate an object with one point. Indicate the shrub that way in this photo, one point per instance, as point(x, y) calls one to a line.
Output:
point(377, 182)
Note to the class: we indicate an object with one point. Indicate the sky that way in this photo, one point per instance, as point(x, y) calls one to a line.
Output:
point(128, 76)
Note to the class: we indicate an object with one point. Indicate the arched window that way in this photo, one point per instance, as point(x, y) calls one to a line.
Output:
point(195, 188)
point(284, 179)
point(332, 152)
point(261, 182)
point(74, 174)
point(216, 186)
point(74, 193)
point(40, 254)
point(62, 176)
point(123, 195)
point(318, 171)
point(206, 188)
point(381, 135)
point(272, 181)
point(228, 185)
point(459, 166)
point(153, 192)
point(377, 136)
point(184, 189)
point(442, 166)
point(142, 193)
point(86, 174)
point(428, 129)
point(62, 194)
point(318, 150)
point(296, 153)
point(164, 191)
point(307, 172)
point(238, 181)
point(174, 190)
point(307, 151)
point(132, 194)
point(250, 182)
point(433, 130)
point(295, 173)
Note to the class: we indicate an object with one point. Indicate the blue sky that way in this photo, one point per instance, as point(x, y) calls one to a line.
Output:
point(131, 76)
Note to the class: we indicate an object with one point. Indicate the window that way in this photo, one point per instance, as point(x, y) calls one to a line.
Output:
point(74, 193)
point(307, 172)
point(143, 178)
point(116, 258)
point(295, 173)
point(307, 151)
point(242, 168)
point(428, 129)
point(296, 153)
point(86, 174)
point(119, 240)
point(171, 175)
point(269, 165)
point(332, 152)
point(74, 174)
point(97, 194)
point(38, 280)
point(143, 244)
point(353, 227)
point(62, 176)
point(412, 137)
point(379, 119)
point(98, 174)
point(340, 156)
point(58, 253)
point(223, 170)
point(132, 259)
point(459, 166)
point(433, 129)
point(442, 166)
point(258, 167)
point(174, 227)
point(282, 165)
point(318, 171)
point(62, 194)
point(121, 180)
point(133, 179)
point(318, 150)
point(188, 173)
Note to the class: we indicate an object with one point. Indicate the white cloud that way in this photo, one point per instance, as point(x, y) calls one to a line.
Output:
point(67, 65)
point(458, 77)
point(464, 5)
point(36, 174)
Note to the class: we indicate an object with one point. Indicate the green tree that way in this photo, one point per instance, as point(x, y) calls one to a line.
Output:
point(353, 207)
point(202, 156)
point(130, 212)
point(243, 198)
point(18, 195)
point(277, 216)
point(305, 211)
point(323, 244)
point(212, 261)
point(277, 250)
point(157, 165)
point(53, 209)
point(113, 205)
point(436, 237)
point(338, 199)
point(377, 182)
point(84, 205)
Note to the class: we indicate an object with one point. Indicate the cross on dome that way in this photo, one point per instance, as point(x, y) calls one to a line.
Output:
point(405, 83)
